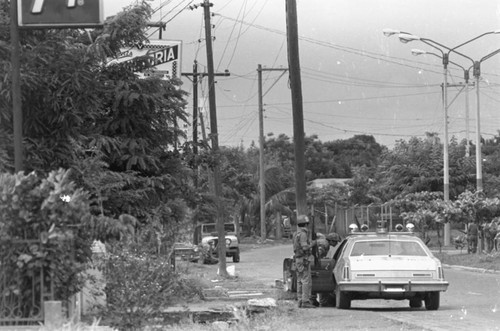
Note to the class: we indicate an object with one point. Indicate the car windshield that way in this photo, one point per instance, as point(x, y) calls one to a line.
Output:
point(387, 247)
point(210, 228)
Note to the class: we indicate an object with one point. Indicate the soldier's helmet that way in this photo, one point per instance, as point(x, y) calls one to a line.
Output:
point(353, 228)
point(333, 237)
point(302, 219)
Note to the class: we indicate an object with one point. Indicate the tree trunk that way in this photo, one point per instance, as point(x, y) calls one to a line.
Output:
point(279, 224)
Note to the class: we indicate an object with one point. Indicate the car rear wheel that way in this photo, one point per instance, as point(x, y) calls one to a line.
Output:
point(342, 299)
point(289, 276)
point(415, 302)
point(432, 301)
point(236, 257)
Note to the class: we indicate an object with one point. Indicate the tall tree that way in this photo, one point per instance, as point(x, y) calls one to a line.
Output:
point(116, 131)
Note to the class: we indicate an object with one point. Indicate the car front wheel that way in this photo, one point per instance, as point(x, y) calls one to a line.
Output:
point(342, 299)
point(415, 302)
point(432, 301)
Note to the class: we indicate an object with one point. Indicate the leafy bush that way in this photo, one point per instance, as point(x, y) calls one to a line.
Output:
point(139, 285)
point(43, 224)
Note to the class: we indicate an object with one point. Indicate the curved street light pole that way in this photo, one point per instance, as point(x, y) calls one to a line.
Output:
point(477, 74)
point(406, 37)
point(417, 52)
point(479, 158)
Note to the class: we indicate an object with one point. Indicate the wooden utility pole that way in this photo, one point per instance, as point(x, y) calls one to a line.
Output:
point(195, 74)
point(195, 107)
point(214, 135)
point(298, 116)
point(262, 181)
point(17, 107)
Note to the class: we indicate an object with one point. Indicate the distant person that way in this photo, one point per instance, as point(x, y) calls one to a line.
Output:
point(302, 249)
point(287, 227)
point(472, 235)
point(490, 236)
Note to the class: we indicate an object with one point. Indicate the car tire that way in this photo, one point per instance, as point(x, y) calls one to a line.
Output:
point(342, 299)
point(432, 301)
point(415, 303)
point(236, 258)
point(289, 276)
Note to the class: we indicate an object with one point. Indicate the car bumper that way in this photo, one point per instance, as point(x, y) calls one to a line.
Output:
point(393, 286)
point(230, 251)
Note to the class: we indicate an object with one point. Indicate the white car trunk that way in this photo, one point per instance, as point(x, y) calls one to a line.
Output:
point(381, 263)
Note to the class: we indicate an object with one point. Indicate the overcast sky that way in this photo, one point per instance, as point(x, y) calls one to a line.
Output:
point(354, 79)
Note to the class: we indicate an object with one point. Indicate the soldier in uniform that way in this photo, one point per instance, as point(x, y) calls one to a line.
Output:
point(472, 234)
point(302, 249)
point(326, 251)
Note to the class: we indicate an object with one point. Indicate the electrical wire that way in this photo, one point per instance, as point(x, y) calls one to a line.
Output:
point(230, 36)
point(351, 50)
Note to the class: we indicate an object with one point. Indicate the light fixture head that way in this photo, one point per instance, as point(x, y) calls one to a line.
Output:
point(406, 37)
point(389, 32)
point(416, 51)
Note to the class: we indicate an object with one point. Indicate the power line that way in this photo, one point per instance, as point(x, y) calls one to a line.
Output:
point(351, 50)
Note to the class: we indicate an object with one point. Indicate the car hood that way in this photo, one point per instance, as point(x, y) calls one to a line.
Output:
point(374, 263)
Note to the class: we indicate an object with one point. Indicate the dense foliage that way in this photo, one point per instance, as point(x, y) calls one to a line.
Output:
point(114, 132)
point(44, 224)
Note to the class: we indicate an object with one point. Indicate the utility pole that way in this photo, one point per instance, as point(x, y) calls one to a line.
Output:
point(467, 119)
point(202, 124)
point(214, 135)
point(195, 75)
point(17, 107)
point(298, 116)
point(262, 181)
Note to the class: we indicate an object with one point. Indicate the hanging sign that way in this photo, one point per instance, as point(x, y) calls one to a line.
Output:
point(157, 57)
point(60, 13)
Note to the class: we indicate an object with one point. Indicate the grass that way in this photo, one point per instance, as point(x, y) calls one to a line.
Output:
point(272, 319)
point(452, 256)
point(71, 326)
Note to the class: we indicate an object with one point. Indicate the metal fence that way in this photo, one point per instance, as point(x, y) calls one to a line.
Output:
point(338, 219)
point(23, 289)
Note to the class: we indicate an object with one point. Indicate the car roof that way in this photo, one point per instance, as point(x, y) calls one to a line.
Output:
point(363, 236)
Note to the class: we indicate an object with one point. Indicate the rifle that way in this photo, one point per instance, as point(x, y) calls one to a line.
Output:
point(315, 247)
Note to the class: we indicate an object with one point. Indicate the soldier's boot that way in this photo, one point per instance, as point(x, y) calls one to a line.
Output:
point(314, 301)
point(307, 304)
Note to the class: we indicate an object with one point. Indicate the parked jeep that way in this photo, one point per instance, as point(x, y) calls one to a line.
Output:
point(207, 237)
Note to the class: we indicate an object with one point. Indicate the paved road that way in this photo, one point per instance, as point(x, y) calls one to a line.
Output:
point(472, 301)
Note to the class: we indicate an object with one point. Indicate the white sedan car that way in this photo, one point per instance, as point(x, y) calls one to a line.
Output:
point(387, 265)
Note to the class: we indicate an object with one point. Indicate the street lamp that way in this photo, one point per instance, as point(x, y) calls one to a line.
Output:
point(406, 37)
point(417, 52)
